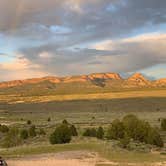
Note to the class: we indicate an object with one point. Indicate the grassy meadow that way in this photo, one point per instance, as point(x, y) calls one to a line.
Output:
point(83, 110)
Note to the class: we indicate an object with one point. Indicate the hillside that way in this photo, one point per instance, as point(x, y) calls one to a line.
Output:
point(92, 83)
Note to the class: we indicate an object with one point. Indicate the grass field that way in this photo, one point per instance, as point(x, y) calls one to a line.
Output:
point(83, 111)
point(104, 149)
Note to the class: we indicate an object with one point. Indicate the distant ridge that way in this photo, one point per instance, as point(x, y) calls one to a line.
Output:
point(97, 79)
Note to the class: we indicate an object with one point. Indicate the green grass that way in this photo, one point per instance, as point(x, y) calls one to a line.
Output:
point(105, 150)
point(147, 105)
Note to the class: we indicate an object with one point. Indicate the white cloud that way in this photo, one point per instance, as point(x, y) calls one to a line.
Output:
point(20, 68)
point(45, 55)
point(18, 64)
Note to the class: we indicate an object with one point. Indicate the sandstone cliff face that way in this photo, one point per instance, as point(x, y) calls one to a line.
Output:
point(83, 78)
point(136, 80)
point(160, 82)
point(105, 76)
point(28, 81)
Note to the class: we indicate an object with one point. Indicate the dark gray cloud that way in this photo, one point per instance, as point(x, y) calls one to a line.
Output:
point(96, 18)
point(129, 55)
point(56, 34)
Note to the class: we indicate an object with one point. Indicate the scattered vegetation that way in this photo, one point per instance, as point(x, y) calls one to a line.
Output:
point(100, 133)
point(24, 134)
point(12, 138)
point(116, 130)
point(29, 122)
point(73, 130)
point(32, 131)
point(41, 132)
point(61, 135)
point(133, 128)
point(90, 132)
point(4, 128)
point(163, 124)
point(49, 119)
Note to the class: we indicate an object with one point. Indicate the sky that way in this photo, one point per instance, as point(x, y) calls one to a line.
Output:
point(72, 37)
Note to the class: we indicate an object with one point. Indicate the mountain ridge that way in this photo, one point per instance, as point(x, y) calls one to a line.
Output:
point(136, 80)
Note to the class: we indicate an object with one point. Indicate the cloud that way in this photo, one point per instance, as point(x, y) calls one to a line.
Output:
point(135, 53)
point(124, 55)
point(20, 68)
point(80, 36)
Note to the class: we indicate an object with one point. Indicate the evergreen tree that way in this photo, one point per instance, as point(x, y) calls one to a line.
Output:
point(73, 130)
point(61, 135)
point(100, 133)
point(24, 134)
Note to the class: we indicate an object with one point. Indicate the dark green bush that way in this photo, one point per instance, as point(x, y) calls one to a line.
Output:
point(42, 132)
point(90, 132)
point(65, 122)
point(12, 138)
point(130, 123)
point(32, 131)
point(61, 135)
point(24, 134)
point(163, 124)
point(100, 133)
point(154, 138)
point(141, 131)
point(124, 142)
point(4, 128)
point(73, 130)
point(29, 122)
point(138, 130)
point(116, 130)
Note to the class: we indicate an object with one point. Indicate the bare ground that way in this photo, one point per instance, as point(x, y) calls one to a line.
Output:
point(72, 158)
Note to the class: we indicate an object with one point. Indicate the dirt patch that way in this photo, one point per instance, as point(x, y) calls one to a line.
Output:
point(72, 158)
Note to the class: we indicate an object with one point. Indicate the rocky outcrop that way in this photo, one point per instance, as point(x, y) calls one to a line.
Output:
point(112, 79)
point(105, 76)
point(160, 82)
point(138, 79)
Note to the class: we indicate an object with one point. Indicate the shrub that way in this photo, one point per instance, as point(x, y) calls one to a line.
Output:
point(90, 132)
point(42, 132)
point(124, 142)
point(116, 130)
point(73, 130)
point(32, 131)
point(163, 124)
point(29, 122)
point(24, 134)
point(154, 138)
point(132, 127)
point(141, 131)
point(130, 123)
point(4, 128)
point(61, 135)
point(12, 138)
point(100, 133)
point(65, 122)
point(86, 132)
